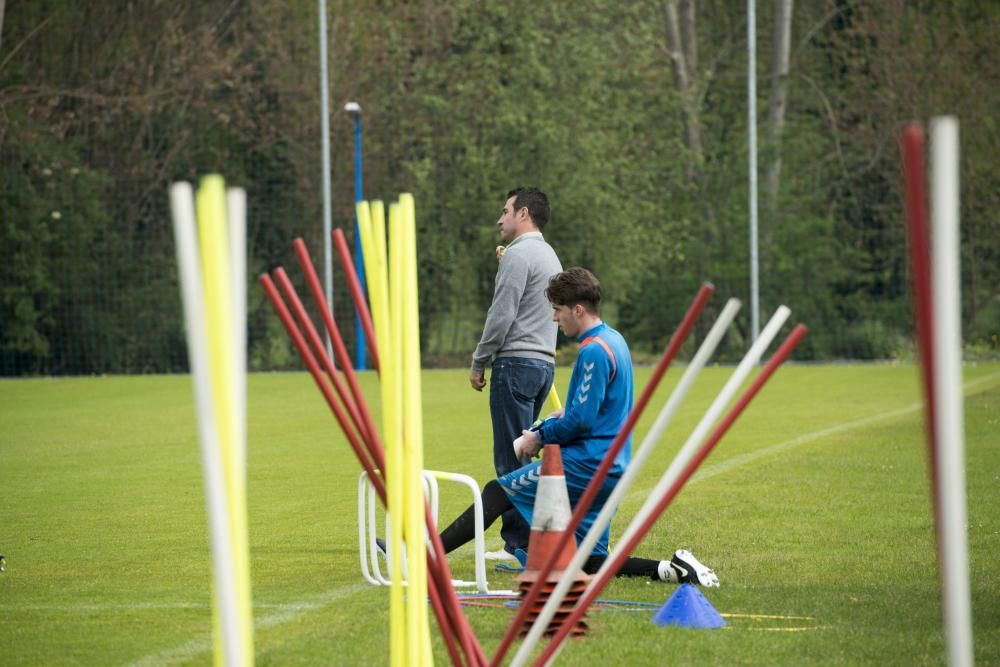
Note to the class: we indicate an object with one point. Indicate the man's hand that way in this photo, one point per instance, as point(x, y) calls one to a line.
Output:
point(477, 380)
point(556, 414)
point(527, 446)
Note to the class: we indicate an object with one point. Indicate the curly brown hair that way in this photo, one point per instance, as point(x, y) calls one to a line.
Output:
point(573, 286)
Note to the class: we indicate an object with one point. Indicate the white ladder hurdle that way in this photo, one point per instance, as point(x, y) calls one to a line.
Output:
point(370, 568)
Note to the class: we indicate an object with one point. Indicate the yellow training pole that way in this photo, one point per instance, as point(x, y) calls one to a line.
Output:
point(224, 623)
point(378, 230)
point(379, 233)
point(362, 210)
point(211, 212)
point(379, 290)
point(554, 397)
point(371, 220)
point(381, 307)
point(418, 628)
point(392, 406)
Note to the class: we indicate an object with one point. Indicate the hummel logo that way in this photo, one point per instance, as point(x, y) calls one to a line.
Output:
point(525, 480)
point(588, 367)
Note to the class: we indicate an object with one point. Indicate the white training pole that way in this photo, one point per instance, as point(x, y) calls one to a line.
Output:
point(688, 451)
point(182, 206)
point(363, 528)
point(649, 443)
point(739, 376)
point(236, 225)
point(953, 548)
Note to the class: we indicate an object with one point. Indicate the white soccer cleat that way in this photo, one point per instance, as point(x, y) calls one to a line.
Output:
point(691, 571)
point(499, 554)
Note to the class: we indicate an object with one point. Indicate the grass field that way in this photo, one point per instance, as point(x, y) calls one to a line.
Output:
point(814, 512)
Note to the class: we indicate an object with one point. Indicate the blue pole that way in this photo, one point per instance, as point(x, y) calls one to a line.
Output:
point(359, 265)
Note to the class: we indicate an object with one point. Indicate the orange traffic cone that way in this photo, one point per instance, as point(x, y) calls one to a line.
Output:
point(549, 521)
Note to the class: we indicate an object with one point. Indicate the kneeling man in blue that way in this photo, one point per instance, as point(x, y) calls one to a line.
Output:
point(598, 403)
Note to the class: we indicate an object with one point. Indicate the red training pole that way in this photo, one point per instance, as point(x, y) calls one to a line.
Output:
point(317, 374)
point(437, 566)
point(440, 613)
point(912, 146)
point(337, 342)
point(594, 487)
point(449, 624)
point(320, 351)
point(597, 585)
point(438, 562)
point(356, 294)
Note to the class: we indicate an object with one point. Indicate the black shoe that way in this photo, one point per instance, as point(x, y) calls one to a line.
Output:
point(380, 548)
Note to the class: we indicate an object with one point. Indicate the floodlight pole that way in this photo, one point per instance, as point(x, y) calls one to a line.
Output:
point(354, 109)
point(324, 101)
point(752, 150)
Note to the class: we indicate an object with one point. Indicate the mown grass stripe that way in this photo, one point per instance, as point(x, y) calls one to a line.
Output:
point(744, 459)
point(285, 614)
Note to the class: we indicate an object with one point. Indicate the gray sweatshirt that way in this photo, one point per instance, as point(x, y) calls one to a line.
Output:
point(519, 322)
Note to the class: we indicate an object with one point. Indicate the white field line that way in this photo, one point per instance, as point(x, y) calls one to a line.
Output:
point(729, 464)
point(138, 606)
point(102, 607)
point(284, 613)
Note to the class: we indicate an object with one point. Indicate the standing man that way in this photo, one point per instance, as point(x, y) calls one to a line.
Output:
point(519, 340)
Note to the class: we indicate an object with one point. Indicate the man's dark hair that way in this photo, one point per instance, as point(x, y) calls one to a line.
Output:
point(573, 286)
point(536, 202)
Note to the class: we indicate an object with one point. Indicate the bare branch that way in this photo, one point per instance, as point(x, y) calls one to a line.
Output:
point(675, 46)
point(24, 41)
point(684, 77)
point(778, 97)
point(689, 37)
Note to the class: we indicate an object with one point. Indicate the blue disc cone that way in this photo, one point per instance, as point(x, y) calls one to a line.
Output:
point(688, 608)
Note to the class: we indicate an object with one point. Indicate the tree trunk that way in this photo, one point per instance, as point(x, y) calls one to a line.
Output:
point(688, 37)
point(778, 98)
point(682, 46)
point(3, 3)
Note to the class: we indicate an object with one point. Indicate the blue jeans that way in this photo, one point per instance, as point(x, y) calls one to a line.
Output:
point(518, 390)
